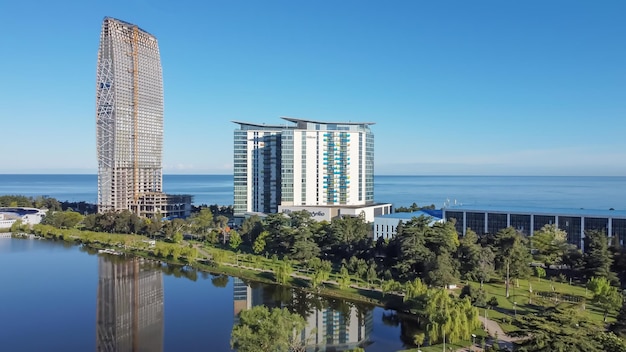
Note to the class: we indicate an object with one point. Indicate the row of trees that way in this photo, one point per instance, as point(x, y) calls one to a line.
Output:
point(29, 202)
point(202, 224)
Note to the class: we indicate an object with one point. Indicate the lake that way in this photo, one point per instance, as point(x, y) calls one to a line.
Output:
point(61, 297)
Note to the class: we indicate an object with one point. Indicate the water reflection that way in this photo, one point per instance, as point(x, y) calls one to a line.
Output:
point(129, 312)
point(332, 325)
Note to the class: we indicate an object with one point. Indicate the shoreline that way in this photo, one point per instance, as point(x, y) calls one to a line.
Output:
point(240, 271)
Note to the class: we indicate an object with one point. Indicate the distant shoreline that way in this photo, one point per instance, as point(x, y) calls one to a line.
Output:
point(375, 175)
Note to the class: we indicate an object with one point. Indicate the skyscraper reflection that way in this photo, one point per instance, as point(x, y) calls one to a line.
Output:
point(331, 325)
point(129, 305)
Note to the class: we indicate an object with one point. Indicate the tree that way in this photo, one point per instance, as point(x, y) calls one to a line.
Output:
point(512, 255)
point(259, 244)
point(557, 329)
point(418, 339)
point(450, 320)
point(177, 238)
point(550, 244)
point(304, 248)
point(407, 251)
point(605, 296)
point(170, 228)
point(540, 272)
point(264, 330)
point(619, 327)
point(414, 289)
point(251, 228)
point(344, 277)
point(477, 296)
point(283, 273)
point(469, 254)
point(611, 342)
point(191, 254)
point(485, 268)
point(17, 226)
point(234, 240)
point(597, 259)
point(371, 273)
point(201, 222)
point(441, 271)
point(361, 268)
point(321, 272)
point(63, 219)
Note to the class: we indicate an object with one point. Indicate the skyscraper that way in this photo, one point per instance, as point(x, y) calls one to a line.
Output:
point(129, 120)
point(326, 168)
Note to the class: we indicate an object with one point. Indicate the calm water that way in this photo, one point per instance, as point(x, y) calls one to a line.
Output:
point(57, 297)
point(534, 191)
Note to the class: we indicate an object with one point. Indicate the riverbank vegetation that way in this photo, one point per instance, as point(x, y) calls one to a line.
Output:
point(504, 275)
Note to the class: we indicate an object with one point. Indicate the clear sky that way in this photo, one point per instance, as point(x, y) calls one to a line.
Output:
point(529, 87)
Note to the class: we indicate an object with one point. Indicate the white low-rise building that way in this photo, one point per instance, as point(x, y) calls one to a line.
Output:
point(28, 216)
point(385, 226)
point(329, 212)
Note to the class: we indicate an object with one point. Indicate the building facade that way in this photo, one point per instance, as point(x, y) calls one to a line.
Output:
point(256, 168)
point(129, 117)
point(302, 163)
point(574, 222)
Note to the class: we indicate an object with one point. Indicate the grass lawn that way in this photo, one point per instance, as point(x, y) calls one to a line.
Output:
point(528, 302)
point(439, 347)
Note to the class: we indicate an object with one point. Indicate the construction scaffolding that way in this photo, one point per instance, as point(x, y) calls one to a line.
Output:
point(129, 116)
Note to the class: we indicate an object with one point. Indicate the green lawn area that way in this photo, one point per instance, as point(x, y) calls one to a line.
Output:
point(439, 347)
point(527, 302)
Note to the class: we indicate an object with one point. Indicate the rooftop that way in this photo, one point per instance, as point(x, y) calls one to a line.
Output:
point(261, 125)
point(338, 206)
point(437, 214)
point(296, 120)
point(107, 18)
point(541, 211)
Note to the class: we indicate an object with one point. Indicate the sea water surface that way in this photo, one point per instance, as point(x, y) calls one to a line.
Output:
point(590, 192)
point(60, 297)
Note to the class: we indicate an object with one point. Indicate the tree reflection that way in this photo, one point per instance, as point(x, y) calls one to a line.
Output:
point(220, 280)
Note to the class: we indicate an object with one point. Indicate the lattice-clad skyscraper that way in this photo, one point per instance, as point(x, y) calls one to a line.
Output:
point(129, 116)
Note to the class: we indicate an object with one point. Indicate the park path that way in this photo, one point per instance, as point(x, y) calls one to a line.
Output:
point(493, 329)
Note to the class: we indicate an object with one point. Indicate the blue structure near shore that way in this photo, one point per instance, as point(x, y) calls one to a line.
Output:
point(527, 220)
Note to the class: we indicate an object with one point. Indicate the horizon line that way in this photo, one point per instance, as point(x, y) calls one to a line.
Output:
point(386, 175)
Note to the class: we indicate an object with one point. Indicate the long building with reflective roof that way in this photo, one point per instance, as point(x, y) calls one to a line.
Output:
point(527, 220)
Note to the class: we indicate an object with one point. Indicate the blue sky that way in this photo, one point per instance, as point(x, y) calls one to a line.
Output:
point(455, 87)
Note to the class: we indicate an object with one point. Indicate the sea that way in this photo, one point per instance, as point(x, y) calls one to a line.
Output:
point(575, 192)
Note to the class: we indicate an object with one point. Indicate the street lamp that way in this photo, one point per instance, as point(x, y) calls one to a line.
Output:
point(515, 308)
point(473, 339)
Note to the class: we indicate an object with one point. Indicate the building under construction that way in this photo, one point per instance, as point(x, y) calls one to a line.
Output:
point(129, 123)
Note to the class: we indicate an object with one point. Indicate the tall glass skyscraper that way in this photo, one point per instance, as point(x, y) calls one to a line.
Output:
point(129, 116)
point(129, 124)
point(302, 163)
